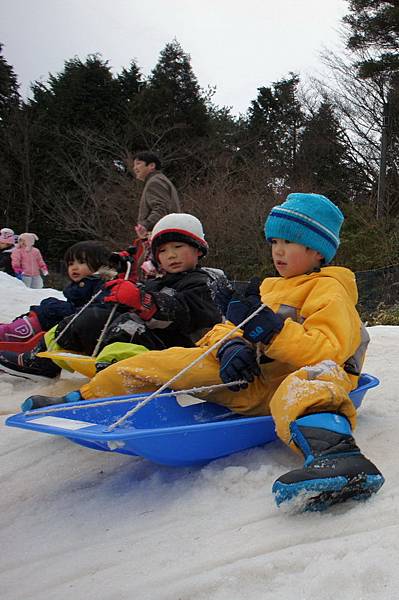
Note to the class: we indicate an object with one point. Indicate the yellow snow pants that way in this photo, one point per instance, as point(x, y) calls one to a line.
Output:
point(278, 391)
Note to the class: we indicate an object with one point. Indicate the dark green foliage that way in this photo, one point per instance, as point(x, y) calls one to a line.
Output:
point(173, 94)
point(323, 161)
point(9, 174)
point(274, 121)
point(67, 155)
point(374, 24)
point(9, 96)
point(85, 95)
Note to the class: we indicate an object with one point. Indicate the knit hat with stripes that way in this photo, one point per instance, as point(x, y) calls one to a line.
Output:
point(308, 219)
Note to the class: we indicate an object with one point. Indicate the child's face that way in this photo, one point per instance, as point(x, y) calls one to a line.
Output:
point(292, 259)
point(176, 257)
point(78, 269)
point(3, 246)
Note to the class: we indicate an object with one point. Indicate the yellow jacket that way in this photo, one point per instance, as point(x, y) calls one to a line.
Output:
point(321, 320)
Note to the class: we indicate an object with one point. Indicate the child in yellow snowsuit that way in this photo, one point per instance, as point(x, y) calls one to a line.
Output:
point(297, 359)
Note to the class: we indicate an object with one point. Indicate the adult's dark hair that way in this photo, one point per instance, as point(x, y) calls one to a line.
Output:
point(148, 157)
point(94, 253)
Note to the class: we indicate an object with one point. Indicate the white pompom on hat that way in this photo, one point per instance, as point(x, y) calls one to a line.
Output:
point(178, 227)
point(7, 236)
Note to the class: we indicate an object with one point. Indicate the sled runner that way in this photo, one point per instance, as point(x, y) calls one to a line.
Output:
point(22, 346)
point(174, 429)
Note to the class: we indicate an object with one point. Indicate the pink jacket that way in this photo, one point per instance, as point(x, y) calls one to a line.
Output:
point(29, 261)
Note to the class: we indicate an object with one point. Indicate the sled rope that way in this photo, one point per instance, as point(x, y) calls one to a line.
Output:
point(155, 394)
point(111, 316)
point(194, 390)
point(75, 316)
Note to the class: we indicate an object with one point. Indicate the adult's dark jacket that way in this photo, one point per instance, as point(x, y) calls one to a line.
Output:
point(5, 261)
point(186, 309)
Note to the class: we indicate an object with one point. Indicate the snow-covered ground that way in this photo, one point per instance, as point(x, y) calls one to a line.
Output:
point(82, 524)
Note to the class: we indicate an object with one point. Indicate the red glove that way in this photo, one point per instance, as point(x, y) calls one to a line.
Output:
point(127, 293)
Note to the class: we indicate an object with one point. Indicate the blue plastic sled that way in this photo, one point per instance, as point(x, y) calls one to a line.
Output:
point(163, 431)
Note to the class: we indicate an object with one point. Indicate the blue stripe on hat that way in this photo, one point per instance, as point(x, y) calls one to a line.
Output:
point(330, 238)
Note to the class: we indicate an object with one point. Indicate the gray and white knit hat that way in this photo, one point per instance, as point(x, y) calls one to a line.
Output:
point(178, 227)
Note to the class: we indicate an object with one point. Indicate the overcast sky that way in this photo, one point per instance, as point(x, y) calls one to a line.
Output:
point(236, 46)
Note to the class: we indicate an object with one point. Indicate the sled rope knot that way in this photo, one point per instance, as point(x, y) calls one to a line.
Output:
point(155, 394)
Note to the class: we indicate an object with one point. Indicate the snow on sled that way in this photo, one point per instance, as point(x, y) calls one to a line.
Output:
point(167, 430)
point(22, 346)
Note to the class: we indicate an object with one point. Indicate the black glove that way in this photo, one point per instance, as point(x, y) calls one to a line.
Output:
point(264, 325)
point(237, 361)
point(240, 307)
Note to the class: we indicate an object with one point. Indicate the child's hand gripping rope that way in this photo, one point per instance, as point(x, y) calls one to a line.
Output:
point(238, 362)
point(265, 323)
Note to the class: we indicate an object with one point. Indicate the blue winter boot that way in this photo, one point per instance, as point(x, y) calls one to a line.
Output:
point(334, 470)
point(42, 401)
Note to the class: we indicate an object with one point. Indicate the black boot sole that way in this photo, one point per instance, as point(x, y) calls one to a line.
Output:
point(24, 375)
point(316, 495)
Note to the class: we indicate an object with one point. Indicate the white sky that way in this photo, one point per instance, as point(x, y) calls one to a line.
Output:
point(236, 46)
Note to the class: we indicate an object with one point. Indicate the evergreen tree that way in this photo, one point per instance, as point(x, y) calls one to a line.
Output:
point(173, 109)
point(9, 96)
point(374, 37)
point(274, 121)
point(374, 26)
point(75, 118)
point(324, 162)
point(130, 82)
point(132, 85)
point(10, 200)
point(173, 91)
point(84, 95)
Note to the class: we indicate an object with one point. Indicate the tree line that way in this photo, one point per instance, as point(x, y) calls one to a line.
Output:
point(66, 152)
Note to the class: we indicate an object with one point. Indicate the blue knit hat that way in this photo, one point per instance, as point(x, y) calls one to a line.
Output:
point(308, 219)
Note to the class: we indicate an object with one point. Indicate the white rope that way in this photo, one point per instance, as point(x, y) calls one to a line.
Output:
point(75, 316)
point(110, 317)
point(183, 371)
point(194, 390)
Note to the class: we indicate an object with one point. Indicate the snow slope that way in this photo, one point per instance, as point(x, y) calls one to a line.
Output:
point(77, 523)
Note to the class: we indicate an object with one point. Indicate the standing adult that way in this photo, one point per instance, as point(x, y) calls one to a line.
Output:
point(158, 198)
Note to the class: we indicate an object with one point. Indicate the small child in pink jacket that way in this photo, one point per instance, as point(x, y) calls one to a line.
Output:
point(28, 262)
